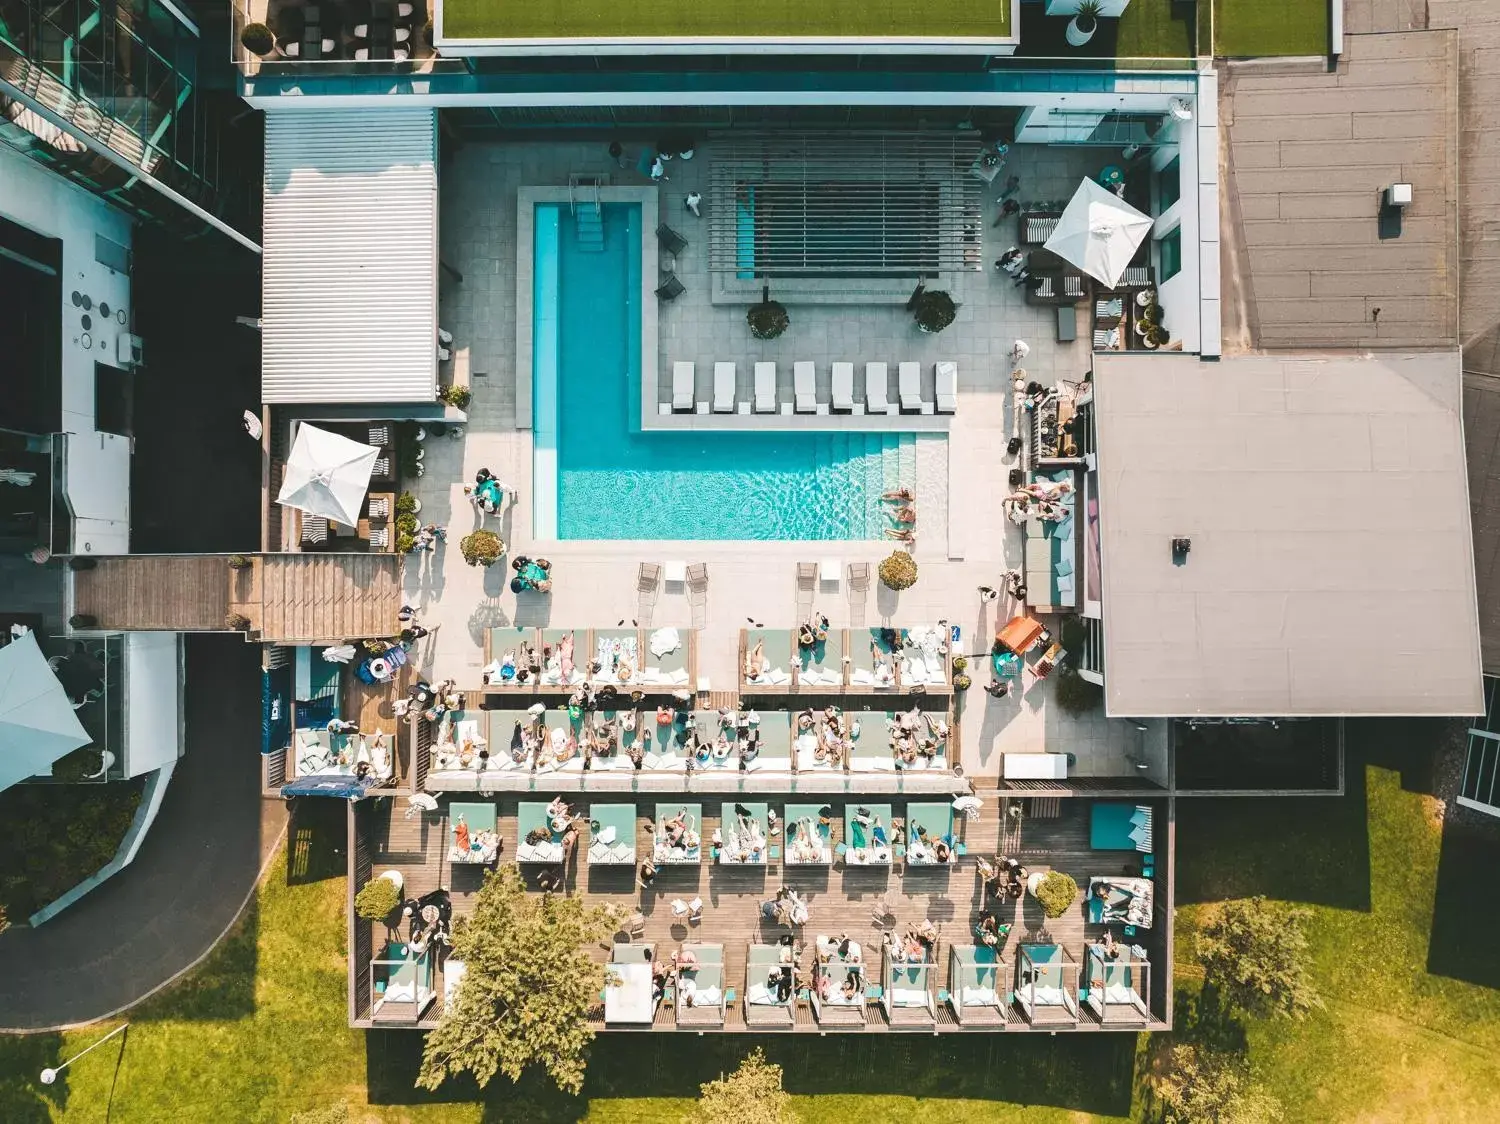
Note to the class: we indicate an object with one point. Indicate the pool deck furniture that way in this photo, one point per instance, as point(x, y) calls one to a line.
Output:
point(862, 678)
point(909, 385)
point(859, 592)
point(1117, 826)
point(648, 589)
point(697, 587)
point(683, 385)
point(671, 288)
point(937, 819)
point(774, 757)
point(843, 388)
point(666, 666)
point(907, 996)
point(531, 815)
point(777, 648)
point(835, 1009)
point(1035, 766)
point(819, 668)
point(797, 816)
point(804, 387)
point(877, 383)
point(729, 820)
point(614, 843)
point(664, 855)
point(670, 241)
point(807, 589)
point(512, 641)
point(1111, 989)
point(977, 982)
point(724, 384)
point(701, 992)
point(765, 388)
point(631, 999)
point(477, 817)
point(859, 847)
point(945, 373)
point(1046, 985)
point(763, 1011)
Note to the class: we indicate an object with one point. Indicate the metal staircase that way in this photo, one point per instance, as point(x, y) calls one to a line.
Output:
point(588, 217)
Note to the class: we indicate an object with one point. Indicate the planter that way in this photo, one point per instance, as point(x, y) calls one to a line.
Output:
point(1033, 881)
point(1079, 34)
point(1145, 298)
point(396, 877)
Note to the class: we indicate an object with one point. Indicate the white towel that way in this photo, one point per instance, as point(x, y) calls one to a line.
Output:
point(664, 640)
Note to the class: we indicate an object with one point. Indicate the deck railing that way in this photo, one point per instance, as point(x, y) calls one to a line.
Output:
point(361, 936)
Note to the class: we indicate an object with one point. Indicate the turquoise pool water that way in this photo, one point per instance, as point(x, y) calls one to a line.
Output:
point(614, 481)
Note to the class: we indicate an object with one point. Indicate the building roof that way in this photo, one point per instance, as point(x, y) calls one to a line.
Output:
point(349, 280)
point(1331, 570)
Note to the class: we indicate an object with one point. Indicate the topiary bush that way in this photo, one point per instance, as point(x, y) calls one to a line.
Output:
point(935, 310)
point(1075, 694)
point(962, 682)
point(406, 503)
point(458, 397)
point(236, 622)
point(1056, 893)
point(960, 663)
point(481, 548)
point(257, 39)
point(378, 900)
point(769, 318)
point(406, 524)
point(899, 571)
point(405, 543)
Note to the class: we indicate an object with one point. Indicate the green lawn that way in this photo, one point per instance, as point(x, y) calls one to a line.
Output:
point(1270, 27)
point(258, 1032)
point(1150, 30)
point(644, 19)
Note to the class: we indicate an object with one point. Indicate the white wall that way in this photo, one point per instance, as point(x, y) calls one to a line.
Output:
point(153, 701)
point(98, 477)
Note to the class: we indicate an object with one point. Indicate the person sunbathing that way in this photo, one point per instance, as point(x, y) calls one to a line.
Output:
point(905, 514)
point(903, 534)
point(898, 494)
point(805, 636)
point(755, 662)
point(565, 657)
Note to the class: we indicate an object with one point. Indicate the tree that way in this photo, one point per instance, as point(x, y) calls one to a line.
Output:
point(1255, 954)
point(1200, 1084)
point(752, 1094)
point(527, 991)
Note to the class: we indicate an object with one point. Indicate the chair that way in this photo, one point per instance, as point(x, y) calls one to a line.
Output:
point(807, 588)
point(859, 591)
point(670, 289)
point(380, 435)
point(804, 386)
point(909, 385)
point(314, 529)
point(684, 377)
point(946, 374)
point(380, 508)
point(381, 469)
point(647, 584)
point(877, 381)
point(843, 387)
point(670, 241)
point(765, 388)
point(725, 378)
point(380, 538)
point(697, 584)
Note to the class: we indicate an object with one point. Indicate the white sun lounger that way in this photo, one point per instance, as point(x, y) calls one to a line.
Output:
point(947, 387)
point(843, 387)
point(804, 384)
point(683, 378)
point(765, 388)
point(724, 380)
point(909, 380)
point(877, 381)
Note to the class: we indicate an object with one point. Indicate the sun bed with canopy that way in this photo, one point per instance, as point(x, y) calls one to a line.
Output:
point(473, 833)
point(936, 820)
point(324, 764)
point(773, 749)
point(611, 835)
point(865, 676)
point(816, 749)
point(666, 744)
point(924, 659)
point(776, 648)
point(506, 651)
point(470, 748)
point(1114, 989)
point(714, 745)
point(975, 978)
point(555, 642)
point(689, 848)
point(401, 985)
point(670, 660)
point(531, 816)
point(629, 993)
point(763, 1009)
point(819, 668)
point(617, 654)
point(907, 992)
point(563, 746)
point(701, 994)
point(1117, 900)
point(809, 834)
point(1046, 985)
point(831, 1007)
point(615, 734)
point(744, 834)
point(867, 834)
point(871, 751)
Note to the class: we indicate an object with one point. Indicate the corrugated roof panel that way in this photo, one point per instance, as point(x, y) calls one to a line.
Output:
point(349, 280)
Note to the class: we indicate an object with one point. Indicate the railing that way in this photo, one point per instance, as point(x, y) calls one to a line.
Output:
point(273, 772)
point(421, 752)
point(280, 65)
point(361, 935)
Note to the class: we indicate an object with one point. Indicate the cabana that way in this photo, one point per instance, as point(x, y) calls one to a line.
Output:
point(907, 993)
point(924, 659)
point(832, 1003)
point(974, 981)
point(918, 740)
point(871, 752)
point(564, 660)
point(614, 657)
point(629, 992)
point(715, 742)
point(611, 835)
point(817, 748)
point(509, 653)
point(701, 994)
point(343, 765)
point(563, 744)
point(1116, 989)
point(767, 979)
point(670, 661)
point(926, 825)
point(872, 660)
point(532, 821)
point(1120, 901)
point(809, 834)
point(743, 835)
point(1046, 985)
point(818, 668)
point(461, 758)
point(867, 835)
point(473, 836)
point(771, 746)
point(687, 849)
point(1114, 826)
point(667, 749)
point(401, 985)
point(765, 660)
point(613, 737)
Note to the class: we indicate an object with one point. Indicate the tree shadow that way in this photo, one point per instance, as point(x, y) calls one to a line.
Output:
point(317, 837)
point(1465, 915)
point(23, 1098)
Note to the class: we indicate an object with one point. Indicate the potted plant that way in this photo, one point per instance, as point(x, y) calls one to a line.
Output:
point(407, 504)
point(1084, 23)
point(258, 39)
point(238, 562)
point(481, 548)
point(769, 318)
point(236, 622)
point(1054, 891)
point(962, 682)
point(406, 524)
point(1155, 337)
point(458, 397)
point(899, 571)
point(960, 663)
point(935, 310)
point(405, 544)
point(380, 897)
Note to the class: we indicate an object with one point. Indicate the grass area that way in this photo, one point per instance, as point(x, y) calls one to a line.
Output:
point(52, 837)
point(645, 19)
point(1150, 29)
point(1270, 27)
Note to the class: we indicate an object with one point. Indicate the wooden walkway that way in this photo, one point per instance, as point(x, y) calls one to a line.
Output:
point(839, 898)
point(178, 593)
point(312, 598)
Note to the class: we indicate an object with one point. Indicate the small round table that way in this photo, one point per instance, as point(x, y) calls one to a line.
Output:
point(1111, 176)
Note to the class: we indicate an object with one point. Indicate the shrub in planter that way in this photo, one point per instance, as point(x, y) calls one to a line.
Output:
point(1056, 893)
point(960, 663)
point(405, 544)
point(257, 39)
point(935, 310)
point(899, 571)
point(458, 397)
point(1075, 694)
point(962, 682)
point(1156, 336)
point(238, 562)
point(1087, 16)
point(769, 318)
point(236, 622)
point(406, 504)
point(407, 524)
point(481, 548)
point(378, 900)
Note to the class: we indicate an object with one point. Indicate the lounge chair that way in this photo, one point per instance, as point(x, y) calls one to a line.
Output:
point(765, 388)
point(647, 584)
point(843, 387)
point(697, 584)
point(724, 381)
point(807, 588)
point(684, 376)
point(670, 289)
point(947, 387)
point(877, 381)
point(670, 241)
point(859, 591)
point(804, 384)
point(909, 382)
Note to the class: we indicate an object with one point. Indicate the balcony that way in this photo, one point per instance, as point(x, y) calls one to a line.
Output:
point(323, 39)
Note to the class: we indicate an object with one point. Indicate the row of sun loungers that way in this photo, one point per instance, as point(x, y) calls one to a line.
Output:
point(529, 660)
point(845, 661)
point(870, 398)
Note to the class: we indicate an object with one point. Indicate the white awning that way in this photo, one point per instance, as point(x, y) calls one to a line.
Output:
point(349, 305)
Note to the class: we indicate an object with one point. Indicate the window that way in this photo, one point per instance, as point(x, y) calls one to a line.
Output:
point(1169, 184)
point(1171, 254)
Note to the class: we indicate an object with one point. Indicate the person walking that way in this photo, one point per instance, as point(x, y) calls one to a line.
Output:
point(1019, 351)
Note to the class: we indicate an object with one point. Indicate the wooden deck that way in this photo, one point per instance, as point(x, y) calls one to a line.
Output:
point(171, 592)
point(314, 598)
point(840, 898)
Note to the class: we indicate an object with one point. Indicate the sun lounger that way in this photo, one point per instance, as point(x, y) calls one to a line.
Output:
point(701, 993)
point(648, 585)
point(946, 373)
point(613, 843)
point(668, 659)
point(670, 289)
point(859, 591)
point(775, 753)
point(689, 847)
point(843, 387)
point(804, 383)
point(765, 388)
point(776, 647)
point(683, 379)
point(975, 985)
point(909, 381)
point(807, 588)
point(820, 668)
point(697, 584)
point(877, 382)
point(762, 1007)
point(670, 241)
point(724, 380)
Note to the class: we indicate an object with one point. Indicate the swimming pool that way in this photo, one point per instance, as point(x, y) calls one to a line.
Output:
point(615, 481)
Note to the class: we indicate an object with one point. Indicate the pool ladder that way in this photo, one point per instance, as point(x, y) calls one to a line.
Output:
point(588, 217)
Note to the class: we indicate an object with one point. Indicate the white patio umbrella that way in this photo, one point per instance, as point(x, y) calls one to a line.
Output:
point(327, 474)
point(37, 721)
point(1099, 232)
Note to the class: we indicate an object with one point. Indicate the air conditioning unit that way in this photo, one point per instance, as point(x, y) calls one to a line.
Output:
point(129, 350)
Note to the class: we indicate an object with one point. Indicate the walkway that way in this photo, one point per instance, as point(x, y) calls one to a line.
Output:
point(199, 863)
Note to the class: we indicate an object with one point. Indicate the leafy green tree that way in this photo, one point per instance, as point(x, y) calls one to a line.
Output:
point(1199, 1085)
point(1255, 954)
point(527, 991)
point(752, 1094)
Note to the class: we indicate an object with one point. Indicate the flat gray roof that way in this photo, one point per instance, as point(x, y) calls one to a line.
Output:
point(1331, 569)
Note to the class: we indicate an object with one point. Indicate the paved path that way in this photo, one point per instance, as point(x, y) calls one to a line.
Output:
point(198, 864)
